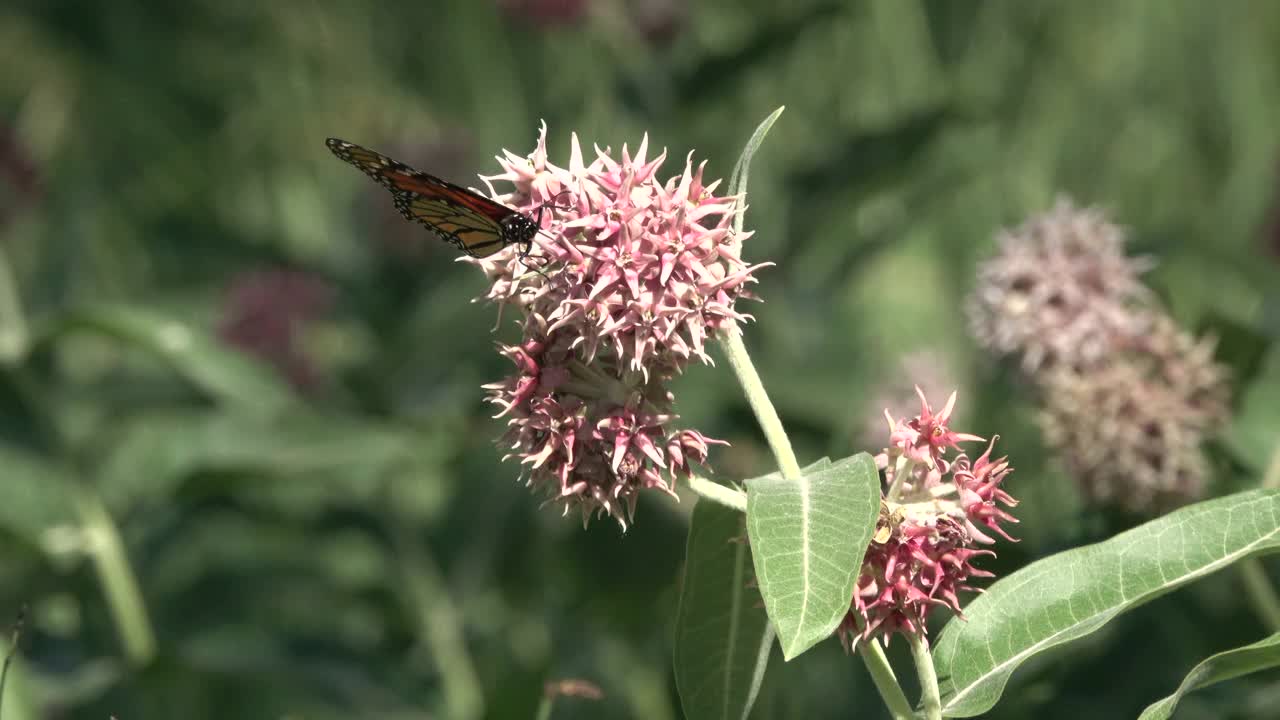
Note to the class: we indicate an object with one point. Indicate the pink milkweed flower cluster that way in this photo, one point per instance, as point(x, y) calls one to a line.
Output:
point(1128, 397)
point(630, 278)
point(936, 512)
point(267, 312)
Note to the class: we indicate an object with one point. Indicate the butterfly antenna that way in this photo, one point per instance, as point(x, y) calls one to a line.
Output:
point(524, 260)
point(14, 637)
point(524, 254)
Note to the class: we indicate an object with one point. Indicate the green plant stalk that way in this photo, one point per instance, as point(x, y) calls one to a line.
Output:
point(930, 699)
point(886, 682)
point(440, 628)
point(765, 414)
point(719, 494)
point(119, 583)
point(1271, 478)
point(1262, 595)
point(13, 328)
point(544, 707)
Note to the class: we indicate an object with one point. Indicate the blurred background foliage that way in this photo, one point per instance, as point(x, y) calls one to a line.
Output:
point(233, 375)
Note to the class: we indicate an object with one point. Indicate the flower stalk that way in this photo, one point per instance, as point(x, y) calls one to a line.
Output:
point(717, 493)
point(873, 658)
point(930, 698)
point(124, 597)
point(764, 411)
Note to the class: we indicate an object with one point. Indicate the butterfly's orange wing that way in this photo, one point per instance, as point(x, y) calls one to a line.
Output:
point(471, 222)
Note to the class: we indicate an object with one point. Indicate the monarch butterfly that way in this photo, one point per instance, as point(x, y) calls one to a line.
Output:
point(469, 221)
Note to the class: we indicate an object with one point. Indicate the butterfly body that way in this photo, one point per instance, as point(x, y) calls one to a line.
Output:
point(467, 220)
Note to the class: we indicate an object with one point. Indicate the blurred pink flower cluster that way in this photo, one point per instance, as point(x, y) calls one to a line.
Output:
point(267, 311)
point(1128, 396)
point(935, 511)
point(633, 275)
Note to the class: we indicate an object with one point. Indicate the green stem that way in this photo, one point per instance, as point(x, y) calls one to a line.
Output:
point(544, 707)
point(1262, 595)
point(930, 699)
point(770, 424)
point(717, 493)
point(886, 682)
point(119, 583)
point(440, 628)
point(13, 328)
point(1271, 478)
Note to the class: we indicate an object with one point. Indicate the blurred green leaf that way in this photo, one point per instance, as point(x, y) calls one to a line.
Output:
point(1069, 595)
point(1262, 655)
point(219, 371)
point(722, 637)
point(807, 543)
point(153, 453)
point(37, 494)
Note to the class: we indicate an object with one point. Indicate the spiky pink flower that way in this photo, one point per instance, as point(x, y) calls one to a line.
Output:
point(933, 514)
point(926, 437)
point(589, 436)
point(645, 268)
point(633, 275)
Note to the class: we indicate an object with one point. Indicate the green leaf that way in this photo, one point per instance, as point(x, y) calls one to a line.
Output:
point(37, 494)
point(220, 372)
point(741, 169)
point(723, 638)
point(807, 543)
point(152, 454)
point(1069, 595)
point(1262, 655)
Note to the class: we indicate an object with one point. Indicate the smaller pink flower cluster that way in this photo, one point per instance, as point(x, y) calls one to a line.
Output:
point(934, 511)
point(633, 276)
point(592, 436)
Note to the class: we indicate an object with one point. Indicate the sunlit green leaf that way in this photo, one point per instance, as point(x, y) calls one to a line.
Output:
point(723, 637)
point(153, 453)
point(1262, 655)
point(1071, 594)
point(807, 542)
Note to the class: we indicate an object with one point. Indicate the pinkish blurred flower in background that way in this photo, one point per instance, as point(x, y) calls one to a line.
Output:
point(936, 512)
point(1131, 431)
point(635, 275)
point(20, 182)
point(265, 313)
point(1128, 396)
point(1060, 291)
point(546, 13)
point(659, 22)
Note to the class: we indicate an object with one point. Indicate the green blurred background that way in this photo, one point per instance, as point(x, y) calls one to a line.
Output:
point(331, 534)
